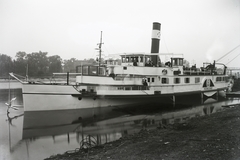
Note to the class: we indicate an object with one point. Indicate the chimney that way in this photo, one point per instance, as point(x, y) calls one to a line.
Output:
point(155, 42)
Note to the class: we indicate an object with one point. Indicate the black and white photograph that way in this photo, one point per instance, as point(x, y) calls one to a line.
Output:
point(119, 80)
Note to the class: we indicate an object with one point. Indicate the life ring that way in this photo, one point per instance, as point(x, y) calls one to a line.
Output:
point(164, 72)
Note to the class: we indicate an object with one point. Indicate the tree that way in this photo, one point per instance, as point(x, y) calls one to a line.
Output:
point(37, 63)
point(6, 65)
point(20, 64)
point(21, 56)
point(55, 64)
point(69, 65)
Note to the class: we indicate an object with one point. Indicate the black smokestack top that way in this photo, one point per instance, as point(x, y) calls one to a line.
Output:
point(155, 41)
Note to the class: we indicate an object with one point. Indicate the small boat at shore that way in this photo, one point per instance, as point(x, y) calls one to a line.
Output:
point(140, 79)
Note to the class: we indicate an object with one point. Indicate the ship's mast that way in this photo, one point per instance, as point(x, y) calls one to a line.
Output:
point(100, 50)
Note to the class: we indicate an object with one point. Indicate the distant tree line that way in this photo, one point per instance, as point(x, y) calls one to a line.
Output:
point(37, 64)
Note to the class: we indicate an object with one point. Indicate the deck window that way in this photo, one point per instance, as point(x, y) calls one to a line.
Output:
point(181, 62)
point(187, 80)
point(197, 80)
point(176, 80)
point(224, 79)
point(135, 88)
point(219, 79)
point(123, 60)
point(101, 71)
point(93, 70)
point(132, 59)
point(79, 69)
point(152, 79)
point(85, 70)
point(127, 88)
point(165, 81)
point(120, 88)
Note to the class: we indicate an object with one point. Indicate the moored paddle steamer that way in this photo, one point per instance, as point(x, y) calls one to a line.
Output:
point(139, 79)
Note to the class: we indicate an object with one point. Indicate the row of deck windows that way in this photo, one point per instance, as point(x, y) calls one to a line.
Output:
point(186, 80)
point(220, 79)
point(163, 80)
point(166, 81)
point(129, 88)
point(93, 88)
point(176, 80)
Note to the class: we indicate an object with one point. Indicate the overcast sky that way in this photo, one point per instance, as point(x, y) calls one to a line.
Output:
point(203, 30)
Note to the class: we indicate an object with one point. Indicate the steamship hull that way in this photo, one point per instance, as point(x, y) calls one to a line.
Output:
point(60, 97)
point(67, 97)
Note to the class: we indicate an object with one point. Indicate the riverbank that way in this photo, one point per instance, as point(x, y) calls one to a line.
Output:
point(208, 137)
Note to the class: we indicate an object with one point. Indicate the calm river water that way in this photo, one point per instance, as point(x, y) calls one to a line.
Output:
point(37, 135)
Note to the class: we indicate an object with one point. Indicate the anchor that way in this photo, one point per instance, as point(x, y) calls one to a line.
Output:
point(9, 105)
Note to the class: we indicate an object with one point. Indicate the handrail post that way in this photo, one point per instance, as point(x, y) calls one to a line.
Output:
point(67, 78)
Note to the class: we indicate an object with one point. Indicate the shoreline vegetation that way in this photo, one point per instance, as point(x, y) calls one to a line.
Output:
point(215, 136)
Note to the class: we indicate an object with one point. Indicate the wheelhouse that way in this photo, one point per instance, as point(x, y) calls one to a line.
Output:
point(135, 59)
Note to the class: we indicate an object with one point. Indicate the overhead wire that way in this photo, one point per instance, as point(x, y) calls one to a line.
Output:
point(233, 58)
point(227, 53)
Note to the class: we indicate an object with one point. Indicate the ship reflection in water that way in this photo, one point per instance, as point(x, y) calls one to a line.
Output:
point(45, 133)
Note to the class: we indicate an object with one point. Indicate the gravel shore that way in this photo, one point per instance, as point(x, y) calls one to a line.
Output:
point(209, 137)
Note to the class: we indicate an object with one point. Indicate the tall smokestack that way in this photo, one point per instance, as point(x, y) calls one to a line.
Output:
point(155, 41)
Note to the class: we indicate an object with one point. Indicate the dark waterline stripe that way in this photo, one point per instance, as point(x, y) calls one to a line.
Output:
point(49, 93)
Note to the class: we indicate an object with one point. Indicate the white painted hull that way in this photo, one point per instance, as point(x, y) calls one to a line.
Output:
point(65, 97)
point(40, 102)
point(48, 97)
point(56, 97)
